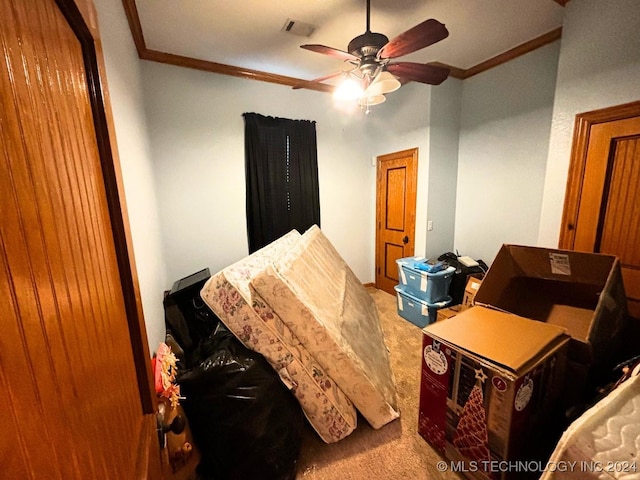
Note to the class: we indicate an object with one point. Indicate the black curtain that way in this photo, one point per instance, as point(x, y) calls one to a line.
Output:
point(281, 169)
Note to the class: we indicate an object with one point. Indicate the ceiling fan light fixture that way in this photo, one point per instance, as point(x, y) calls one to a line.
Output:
point(349, 89)
point(384, 83)
point(368, 100)
point(370, 55)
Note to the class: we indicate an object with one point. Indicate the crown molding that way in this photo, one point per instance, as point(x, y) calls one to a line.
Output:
point(145, 53)
point(207, 66)
point(515, 52)
point(131, 11)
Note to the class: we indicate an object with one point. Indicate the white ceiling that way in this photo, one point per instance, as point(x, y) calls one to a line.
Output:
point(249, 33)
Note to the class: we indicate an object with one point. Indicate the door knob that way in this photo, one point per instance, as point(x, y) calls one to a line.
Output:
point(405, 240)
point(176, 426)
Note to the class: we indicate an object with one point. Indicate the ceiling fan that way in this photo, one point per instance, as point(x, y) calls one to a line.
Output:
point(371, 55)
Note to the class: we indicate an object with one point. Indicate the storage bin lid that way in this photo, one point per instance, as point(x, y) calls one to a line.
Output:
point(410, 264)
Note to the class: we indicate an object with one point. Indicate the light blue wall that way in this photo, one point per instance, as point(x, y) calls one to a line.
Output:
point(197, 136)
point(126, 92)
point(504, 141)
point(444, 124)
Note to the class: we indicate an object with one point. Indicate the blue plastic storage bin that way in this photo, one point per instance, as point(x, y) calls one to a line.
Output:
point(427, 286)
point(417, 311)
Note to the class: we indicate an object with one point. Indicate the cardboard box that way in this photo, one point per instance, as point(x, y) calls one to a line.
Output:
point(581, 292)
point(473, 284)
point(489, 385)
point(448, 312)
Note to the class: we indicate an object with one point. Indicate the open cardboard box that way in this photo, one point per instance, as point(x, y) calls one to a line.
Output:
point(581, 292)
point(470, 290)
point(534, 308)
point(490, 385)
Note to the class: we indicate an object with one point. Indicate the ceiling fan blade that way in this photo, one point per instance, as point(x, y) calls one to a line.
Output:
point(418, 72)
point(332, 52)
point(422, 35)
point(318, 80)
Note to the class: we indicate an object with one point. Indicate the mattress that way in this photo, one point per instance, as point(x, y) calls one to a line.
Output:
point(255, 324)
point(328, 309)
point(604, 442)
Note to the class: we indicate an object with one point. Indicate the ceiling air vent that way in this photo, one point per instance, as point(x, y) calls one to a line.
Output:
point(299, 28)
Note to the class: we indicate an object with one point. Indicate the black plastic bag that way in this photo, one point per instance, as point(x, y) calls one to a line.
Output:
point(461, 275)
point(245, 422)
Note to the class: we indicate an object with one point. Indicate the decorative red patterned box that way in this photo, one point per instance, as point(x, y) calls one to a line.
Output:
point(490, 385)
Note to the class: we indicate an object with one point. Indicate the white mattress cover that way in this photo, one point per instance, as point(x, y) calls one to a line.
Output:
point(254, 323)
point(605, 441)
point(325, 305)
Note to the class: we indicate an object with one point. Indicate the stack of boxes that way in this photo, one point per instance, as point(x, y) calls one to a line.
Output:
point(501, 373)
point(423, 289)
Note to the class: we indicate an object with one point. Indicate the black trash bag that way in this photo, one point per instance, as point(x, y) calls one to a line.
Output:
point(461, 275)
point(245, 422)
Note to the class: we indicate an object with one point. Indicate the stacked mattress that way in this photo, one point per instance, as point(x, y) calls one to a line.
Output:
point(324, 304)
point(604, 442)
point(298, 304)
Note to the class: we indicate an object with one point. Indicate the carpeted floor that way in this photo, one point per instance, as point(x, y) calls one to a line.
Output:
point(396, 450)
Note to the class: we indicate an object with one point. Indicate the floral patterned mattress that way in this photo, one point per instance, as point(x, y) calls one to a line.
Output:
point(327, 308)
point(259, 328)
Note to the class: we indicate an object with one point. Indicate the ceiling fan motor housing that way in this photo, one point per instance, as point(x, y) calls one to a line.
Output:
point(367, 44)
point(366, 47)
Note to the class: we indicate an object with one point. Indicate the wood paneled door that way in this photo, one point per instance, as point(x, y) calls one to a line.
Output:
point(395, 214)
point(602, 206)
point(75, 377)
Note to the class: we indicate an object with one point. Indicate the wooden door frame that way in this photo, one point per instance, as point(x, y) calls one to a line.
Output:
point(82, 18)
point(581, 136)
point(412, 152)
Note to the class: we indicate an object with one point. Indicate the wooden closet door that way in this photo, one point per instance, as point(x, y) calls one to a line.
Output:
point(396, 188)
point(602, 207)
point(72, 397)
point(619, 233)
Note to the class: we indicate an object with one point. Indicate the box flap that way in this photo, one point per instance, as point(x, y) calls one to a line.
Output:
point(558, 287)
point(516, 261)
point(503, 338)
